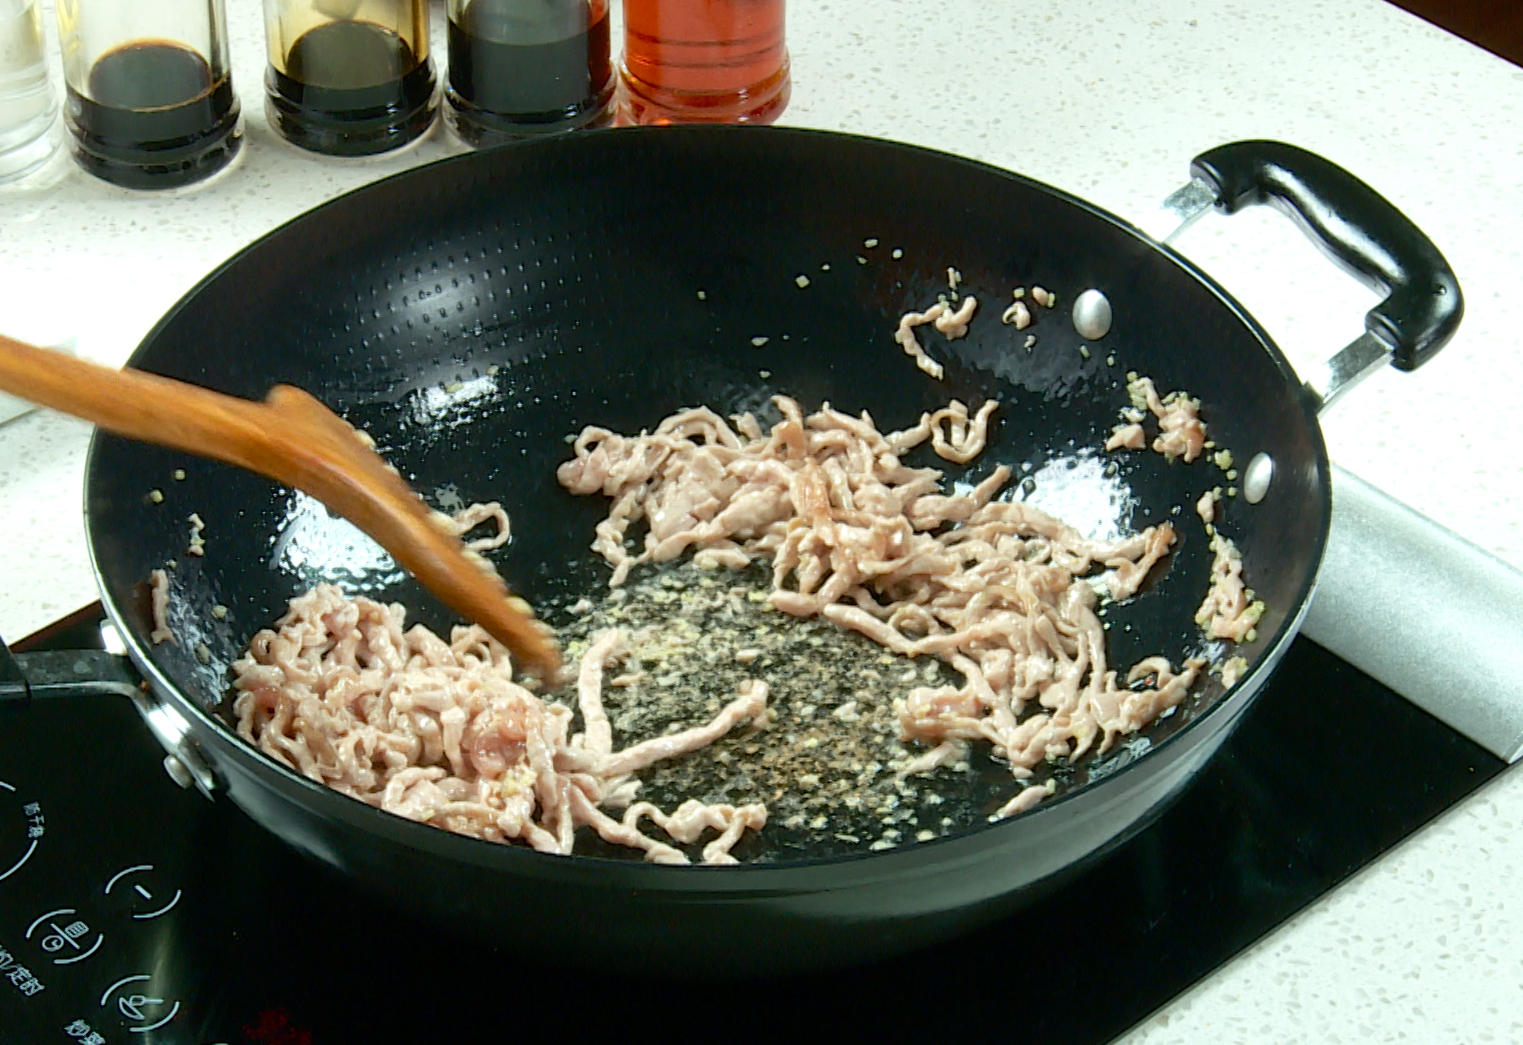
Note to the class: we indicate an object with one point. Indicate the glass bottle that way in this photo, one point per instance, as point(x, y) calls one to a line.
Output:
point(348, 77)
point(704, 61)
point(522, 68)
point(29, 130)
point(150, 96)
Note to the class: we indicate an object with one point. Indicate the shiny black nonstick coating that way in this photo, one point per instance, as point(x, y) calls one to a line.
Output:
point(472, 313)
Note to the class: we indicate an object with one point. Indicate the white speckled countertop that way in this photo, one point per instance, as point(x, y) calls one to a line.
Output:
point(1109, 100)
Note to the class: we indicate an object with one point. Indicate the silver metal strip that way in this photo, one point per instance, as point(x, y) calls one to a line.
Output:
point(1359, 359)
point(1181, 209)
point(1423, 611)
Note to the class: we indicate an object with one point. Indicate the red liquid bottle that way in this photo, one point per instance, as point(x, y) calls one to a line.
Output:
point(704, 61)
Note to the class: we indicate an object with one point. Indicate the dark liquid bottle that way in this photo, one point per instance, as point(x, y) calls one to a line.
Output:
point(523, 68)
point(153, 115)
point(353, 88)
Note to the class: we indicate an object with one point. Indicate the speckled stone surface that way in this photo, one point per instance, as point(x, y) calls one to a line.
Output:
point(1108, 100)
point(1423, 946)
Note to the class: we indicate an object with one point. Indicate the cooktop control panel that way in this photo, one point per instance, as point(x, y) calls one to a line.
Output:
point(93, 892)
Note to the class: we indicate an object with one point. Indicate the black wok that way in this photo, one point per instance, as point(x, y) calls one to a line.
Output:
point(473, 312)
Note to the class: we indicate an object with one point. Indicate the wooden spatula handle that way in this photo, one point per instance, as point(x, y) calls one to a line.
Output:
point(134, 403)
point(296, 440)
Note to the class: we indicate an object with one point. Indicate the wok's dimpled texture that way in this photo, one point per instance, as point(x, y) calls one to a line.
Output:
point(573, 267)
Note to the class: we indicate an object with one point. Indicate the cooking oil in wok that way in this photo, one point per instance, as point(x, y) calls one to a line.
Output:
point(826, 762)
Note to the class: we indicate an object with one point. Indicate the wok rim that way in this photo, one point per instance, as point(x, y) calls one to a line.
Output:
point(431, 838)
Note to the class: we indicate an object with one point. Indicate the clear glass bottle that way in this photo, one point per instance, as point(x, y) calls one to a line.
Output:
point(349, 77)
point(150, 95)
point(29, 128)
point(523, 68)
point(704, 61)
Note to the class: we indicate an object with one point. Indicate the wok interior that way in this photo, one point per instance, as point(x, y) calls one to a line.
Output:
point(474, 313)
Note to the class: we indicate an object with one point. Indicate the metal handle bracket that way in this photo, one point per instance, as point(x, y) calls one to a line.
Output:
point(1352, 223)
point(102, 673)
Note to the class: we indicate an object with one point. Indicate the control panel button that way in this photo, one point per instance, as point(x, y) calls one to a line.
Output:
point(139, 889)
point(140, 1007)
point(61, 934)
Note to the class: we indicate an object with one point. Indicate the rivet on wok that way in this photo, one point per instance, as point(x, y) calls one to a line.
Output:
point(177, 771)
point(1092, 315)
point(1256, 477)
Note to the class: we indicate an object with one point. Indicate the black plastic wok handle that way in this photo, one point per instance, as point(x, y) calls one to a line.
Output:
point(54, 673)
point(1358, 227)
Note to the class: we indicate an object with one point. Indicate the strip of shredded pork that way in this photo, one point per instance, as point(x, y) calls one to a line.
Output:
point(441, 733)
point(1229, 611)
point(158, 594)
point(999, 590)
point(953, 324)
point(1180, 430)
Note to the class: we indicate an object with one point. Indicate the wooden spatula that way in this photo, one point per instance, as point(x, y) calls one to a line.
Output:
point(296, 440)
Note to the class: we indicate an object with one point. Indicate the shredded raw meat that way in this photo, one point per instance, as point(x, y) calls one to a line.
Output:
point(197, 542)
point(472, 516)
point(964, 439)
point(905, 335)
point(946, 753)
point(1026, 798)
point(158, 594)
point(441, 733)
point(1233, 670)
point(994, 588)
point(952, 323)
point(1181, 432)
point(1206, 506)
point(1018, 314)
point(1229, 611)
point(1129, 436)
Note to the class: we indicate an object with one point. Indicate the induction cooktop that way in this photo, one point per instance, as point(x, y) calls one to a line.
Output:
point(132, 911)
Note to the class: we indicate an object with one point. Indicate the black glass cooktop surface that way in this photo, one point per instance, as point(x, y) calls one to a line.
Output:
point(132, 911)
